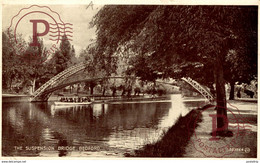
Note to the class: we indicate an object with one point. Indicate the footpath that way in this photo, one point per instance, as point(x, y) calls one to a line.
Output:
point(242, 117)
point(191, 136)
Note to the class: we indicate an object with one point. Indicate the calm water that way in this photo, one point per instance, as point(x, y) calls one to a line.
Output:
point(41, 129)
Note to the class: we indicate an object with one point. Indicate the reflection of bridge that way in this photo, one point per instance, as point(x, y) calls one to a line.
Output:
point(75, 74)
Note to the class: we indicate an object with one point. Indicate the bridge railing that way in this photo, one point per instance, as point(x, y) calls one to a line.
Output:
point(76, 68)
point(199, 88)
point(61, 76)
point(69, 73)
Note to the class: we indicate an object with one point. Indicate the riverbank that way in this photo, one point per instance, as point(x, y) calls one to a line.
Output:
point(173, 142)
point(190, 135)
point(98, 99)
point(242, 118)
point(245, 100)
point(13, 95)
point(105, 99)
point(15, 98)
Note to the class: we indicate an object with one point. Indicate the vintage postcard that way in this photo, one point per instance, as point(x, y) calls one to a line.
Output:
point(116, 80)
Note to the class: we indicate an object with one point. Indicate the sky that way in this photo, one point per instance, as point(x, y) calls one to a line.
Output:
point(78, 15)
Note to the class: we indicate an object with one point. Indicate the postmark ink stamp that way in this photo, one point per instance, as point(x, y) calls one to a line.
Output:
point(45, 25)
point(211, 142)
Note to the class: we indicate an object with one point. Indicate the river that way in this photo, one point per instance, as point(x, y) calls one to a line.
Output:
point(106, 130)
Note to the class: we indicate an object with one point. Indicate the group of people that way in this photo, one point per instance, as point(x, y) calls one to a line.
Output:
point(78, 99)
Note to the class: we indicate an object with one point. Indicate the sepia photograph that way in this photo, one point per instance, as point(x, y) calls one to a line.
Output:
point(129, 81)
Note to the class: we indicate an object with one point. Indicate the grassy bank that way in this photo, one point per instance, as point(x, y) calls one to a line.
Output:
point(174, 141)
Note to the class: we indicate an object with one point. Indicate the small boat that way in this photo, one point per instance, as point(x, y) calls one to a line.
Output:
point(72, 103)
point(73, 100)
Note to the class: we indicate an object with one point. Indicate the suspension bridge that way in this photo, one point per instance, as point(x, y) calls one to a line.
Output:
point(77, 73)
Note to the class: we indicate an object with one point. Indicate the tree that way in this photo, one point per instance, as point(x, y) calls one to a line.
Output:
point(65, 56)
point(12, 71)
point(175, 37)
point(33, 60)
point(241, 61)
point(91, 85)
point(237, 69)
point(92, 69)
point(24, 68)
point(106, 63)
point(104, 85)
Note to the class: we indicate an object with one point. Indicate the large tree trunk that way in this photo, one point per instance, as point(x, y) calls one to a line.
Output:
point(33, 84)
point(92, 85)
point(232, 91)
point(77, 91)
point(221, 94)
point(10, 84)
point(129, 91)
point(91, 90)
point(114, 92)
point(123, 92)
point(104, 91)
point(70, 89)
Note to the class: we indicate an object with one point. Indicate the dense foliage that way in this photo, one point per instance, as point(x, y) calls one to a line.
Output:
point(212, 44)
point(32, 67)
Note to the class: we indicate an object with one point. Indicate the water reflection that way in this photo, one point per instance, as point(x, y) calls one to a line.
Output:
point(114, 128)
point(177, 109)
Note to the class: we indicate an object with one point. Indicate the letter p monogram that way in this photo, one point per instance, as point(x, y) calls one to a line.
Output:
point(35, 34)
